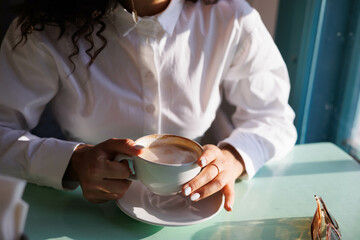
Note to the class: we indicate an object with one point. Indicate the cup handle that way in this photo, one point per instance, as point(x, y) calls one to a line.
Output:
point(130, 159)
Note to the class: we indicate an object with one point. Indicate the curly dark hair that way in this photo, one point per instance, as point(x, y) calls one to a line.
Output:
point(84, 15)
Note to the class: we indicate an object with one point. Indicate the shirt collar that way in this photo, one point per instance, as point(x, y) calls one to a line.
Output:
point(170, 16)
point(165, 21)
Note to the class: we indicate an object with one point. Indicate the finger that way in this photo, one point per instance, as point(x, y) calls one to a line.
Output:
point(116, 170)
point(229, 194)
point(114, 189)
point(204, 177)
point(106, 190)
point(210, 153)
point(212, 187)
point(121, 145)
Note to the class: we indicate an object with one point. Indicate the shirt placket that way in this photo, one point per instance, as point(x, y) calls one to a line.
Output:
point(150, 80)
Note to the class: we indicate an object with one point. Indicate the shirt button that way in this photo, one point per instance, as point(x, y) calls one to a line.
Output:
point(149, 76)
point(150, 108)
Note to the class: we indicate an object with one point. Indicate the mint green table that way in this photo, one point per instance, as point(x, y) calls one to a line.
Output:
point(277, 204)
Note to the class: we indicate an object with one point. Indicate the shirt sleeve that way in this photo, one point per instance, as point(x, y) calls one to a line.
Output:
point(28, 81)
point(257, 84)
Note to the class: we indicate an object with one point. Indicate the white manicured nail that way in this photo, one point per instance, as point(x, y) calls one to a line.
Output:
point(187, 191)
point(194, 197)
point(203, 162)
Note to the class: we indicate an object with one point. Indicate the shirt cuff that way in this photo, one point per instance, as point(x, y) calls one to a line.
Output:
point(250, 149)
point(49, 165)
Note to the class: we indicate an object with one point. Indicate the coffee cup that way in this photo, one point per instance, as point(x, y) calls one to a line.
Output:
point(166, 163)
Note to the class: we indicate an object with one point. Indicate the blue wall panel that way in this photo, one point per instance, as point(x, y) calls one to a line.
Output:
point(328, 84)
point(315, 38)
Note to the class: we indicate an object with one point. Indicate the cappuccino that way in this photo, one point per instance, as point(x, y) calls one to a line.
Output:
point(169, 153)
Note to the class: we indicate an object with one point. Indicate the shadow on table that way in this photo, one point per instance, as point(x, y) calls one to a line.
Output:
point(267, 229)
point(307, 168)
point(67, 215)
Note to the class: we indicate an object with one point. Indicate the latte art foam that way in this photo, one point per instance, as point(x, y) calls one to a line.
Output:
point(169, 154)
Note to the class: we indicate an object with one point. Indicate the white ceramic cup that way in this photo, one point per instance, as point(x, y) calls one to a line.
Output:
point(165, 176)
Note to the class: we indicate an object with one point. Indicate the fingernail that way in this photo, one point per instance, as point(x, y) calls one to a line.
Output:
point(230, 208)
point(203, 162)
point(139, 147)
point(187, 191)
point(195, 196)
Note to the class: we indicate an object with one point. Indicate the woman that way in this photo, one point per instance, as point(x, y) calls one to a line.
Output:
point(117, 70)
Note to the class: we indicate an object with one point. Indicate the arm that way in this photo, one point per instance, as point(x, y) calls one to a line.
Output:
point(257, 84)
point(28, 81)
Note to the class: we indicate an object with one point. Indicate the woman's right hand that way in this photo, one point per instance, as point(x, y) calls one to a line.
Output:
point(100, 177)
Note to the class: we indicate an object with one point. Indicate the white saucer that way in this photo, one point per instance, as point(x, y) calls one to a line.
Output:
point(136, 204)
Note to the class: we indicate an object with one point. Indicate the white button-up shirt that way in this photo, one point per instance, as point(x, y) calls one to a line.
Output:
point(163, 74)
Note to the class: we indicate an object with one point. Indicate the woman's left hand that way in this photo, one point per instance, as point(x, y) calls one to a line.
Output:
point(221, 167)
